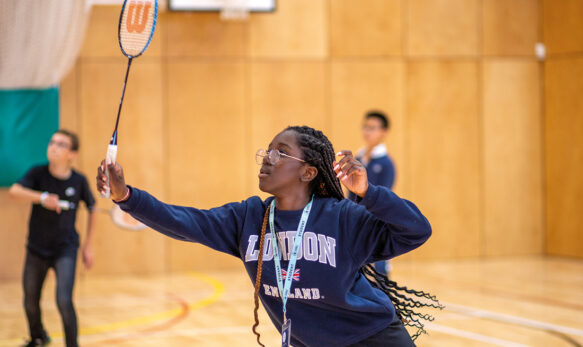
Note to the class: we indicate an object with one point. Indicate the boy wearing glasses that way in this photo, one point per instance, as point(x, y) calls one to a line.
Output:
point(379, 166)
point(55, 190)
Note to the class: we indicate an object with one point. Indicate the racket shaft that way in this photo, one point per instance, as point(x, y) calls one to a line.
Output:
point(109, 158)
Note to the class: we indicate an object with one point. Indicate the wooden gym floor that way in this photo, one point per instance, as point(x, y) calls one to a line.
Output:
point(528, 301)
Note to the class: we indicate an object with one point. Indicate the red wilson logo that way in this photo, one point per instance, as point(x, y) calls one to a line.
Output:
point(137, 18)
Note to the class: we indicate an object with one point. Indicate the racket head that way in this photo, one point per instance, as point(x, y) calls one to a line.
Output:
point(137, 22)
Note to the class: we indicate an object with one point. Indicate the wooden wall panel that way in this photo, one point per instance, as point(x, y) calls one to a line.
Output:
point(298, 28)
point(513, 187)
point(207, 152)
point(101, 35)
point(13, 232)
point(564, 156)
point(357, 87)
point(284, 94)
point(101, 38)
point(69, 101)
point(510, 27)
point(443, 154)
point(442, 27)
point(140, 153)
point(379, 24)
point(562, 26)
point(205, 35)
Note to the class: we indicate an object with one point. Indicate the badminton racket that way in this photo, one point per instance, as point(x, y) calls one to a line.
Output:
point(122, 219)
point(137, 22)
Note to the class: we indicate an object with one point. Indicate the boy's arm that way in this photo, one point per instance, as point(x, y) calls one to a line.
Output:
point(21, 193)
point(87, 249)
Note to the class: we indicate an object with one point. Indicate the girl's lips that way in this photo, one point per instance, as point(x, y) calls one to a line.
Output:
point(263, 173)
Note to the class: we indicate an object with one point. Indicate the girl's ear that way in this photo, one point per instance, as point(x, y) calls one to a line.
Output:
point(308, 173)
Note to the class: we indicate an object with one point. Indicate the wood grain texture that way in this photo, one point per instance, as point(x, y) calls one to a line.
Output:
point(442, 27)
point(562, 26)
point(564, 156)
point(444, 151)
point(513, 168)
point(297, 29)
point(366, 28)
point(510, 27)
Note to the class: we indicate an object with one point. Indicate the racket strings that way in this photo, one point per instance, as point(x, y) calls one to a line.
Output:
point(136, 26)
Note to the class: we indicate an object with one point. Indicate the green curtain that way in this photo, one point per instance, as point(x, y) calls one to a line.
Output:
point(28, 118)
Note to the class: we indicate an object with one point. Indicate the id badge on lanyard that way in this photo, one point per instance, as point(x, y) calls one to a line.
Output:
point(284, 288)
point(286, 333)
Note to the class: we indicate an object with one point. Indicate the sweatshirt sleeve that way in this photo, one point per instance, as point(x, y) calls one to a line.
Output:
point(383, 226)
point(218, 228)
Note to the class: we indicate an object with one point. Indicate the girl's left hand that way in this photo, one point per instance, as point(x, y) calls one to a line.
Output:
point(351, 173)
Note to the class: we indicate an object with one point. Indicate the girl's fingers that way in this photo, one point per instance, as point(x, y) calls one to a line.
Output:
point(344, 170)
point(347, 157)
point(342, 166)
point(344, 152)
point(352, 171)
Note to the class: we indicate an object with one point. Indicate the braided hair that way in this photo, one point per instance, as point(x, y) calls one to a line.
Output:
point(319, 152)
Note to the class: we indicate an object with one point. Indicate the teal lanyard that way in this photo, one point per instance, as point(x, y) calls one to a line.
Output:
point(284, 288)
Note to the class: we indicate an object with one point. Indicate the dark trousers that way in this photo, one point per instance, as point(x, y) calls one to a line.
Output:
point(35, 272)
point(395, 335)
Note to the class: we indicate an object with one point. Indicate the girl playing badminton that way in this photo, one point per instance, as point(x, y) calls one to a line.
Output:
point(310, 271)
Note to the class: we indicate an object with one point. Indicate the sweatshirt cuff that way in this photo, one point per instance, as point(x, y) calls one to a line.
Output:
point(371, 196)
point(132, 201)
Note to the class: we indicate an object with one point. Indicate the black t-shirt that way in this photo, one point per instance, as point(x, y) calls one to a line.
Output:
point(49, 233)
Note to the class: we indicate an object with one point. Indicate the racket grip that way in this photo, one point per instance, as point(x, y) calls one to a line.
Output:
point(109, 158)
point(64, 205)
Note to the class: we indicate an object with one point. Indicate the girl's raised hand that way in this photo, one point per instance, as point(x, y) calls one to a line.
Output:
point(351, 173)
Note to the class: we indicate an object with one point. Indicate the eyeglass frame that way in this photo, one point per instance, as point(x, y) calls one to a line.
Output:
point(59, 144)
point(261, 153)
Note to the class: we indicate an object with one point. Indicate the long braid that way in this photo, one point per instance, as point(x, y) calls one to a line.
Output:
point(403, 299)
point(258, 277)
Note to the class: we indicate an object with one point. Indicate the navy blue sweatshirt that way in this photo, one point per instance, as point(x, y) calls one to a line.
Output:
point(330, 302)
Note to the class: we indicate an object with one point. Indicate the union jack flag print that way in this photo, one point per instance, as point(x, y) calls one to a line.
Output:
point(296, 274)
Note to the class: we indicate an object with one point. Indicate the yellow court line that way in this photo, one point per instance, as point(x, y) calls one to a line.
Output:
point(218, 290)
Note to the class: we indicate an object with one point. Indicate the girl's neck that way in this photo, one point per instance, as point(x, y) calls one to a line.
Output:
point(60, 171)
point(292, 202)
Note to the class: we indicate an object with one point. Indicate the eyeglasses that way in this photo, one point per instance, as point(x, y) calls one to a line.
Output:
point(371, 128)
point(59, 144)
point(273, 156)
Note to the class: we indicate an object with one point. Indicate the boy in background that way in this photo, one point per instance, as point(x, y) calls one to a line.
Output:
point(379, 166)
point(55, 190)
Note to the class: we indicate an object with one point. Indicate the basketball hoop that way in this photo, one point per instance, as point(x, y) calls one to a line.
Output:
point(234, 10)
